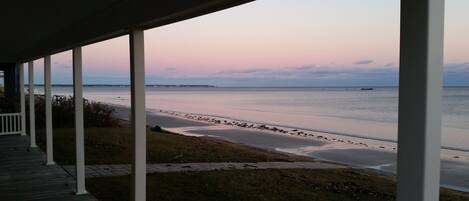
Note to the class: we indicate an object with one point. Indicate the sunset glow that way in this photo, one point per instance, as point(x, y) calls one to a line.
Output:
point(267, 39)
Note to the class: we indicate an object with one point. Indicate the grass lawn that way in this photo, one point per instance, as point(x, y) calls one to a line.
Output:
point(112, 146)
point(258, 185)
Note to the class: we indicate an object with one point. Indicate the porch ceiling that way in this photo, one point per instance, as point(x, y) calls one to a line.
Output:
point(32, 29)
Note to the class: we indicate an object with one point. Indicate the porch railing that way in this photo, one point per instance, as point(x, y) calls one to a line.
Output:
point(10, 123)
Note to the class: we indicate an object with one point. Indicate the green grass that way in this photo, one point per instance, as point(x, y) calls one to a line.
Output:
point(258, 185)
point(112, 146)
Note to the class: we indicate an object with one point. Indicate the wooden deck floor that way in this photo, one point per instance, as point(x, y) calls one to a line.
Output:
point(23, 176)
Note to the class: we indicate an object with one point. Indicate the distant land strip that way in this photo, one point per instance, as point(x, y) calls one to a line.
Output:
point(128, 85)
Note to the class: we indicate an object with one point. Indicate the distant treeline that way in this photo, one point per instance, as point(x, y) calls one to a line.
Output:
point(127, 85)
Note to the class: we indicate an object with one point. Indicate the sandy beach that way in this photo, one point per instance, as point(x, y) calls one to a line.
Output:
point(357, 152)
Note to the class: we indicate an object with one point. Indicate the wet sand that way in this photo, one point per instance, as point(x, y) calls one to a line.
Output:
point(164, 121)
point(454, 174)
point(258, 138)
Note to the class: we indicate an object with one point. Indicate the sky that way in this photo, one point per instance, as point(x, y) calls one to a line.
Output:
point(274, 43)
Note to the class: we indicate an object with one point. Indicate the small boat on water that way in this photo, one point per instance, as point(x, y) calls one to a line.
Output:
point(366, 89)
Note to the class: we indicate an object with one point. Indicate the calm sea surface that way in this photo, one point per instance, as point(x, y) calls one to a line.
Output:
point(350, 111)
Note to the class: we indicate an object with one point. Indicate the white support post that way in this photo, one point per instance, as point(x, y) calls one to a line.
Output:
point(22, 100)
point(420, 107)
point(48, 105)
point(138, 116)
point(79, 126)
point(32, 116)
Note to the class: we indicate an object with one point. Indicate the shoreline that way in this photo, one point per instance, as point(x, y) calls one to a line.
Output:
point(356, 141)
point(297, 131)
point(360, 153)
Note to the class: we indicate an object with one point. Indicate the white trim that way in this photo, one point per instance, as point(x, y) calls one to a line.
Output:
point(22, 100)
point(79, 126)
point(11, 123)
point(9, 114)
point(420, 105)
point(48, 111)
point(138, 115)
point(32, 115)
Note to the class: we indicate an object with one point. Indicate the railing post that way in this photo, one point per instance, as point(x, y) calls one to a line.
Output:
point(48, 105)
point(420, 91)
point(22, 100)
point(79, 126)
point(138, 116)
point(32, 116)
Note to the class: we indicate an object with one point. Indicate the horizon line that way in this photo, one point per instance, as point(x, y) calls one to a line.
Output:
point(214, 86)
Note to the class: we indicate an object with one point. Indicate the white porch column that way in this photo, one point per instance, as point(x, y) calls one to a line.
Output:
point(48, 104)
point(22, 100)
point(32, 116)
point(420, 107)
point(79, 126)
point(138, 116)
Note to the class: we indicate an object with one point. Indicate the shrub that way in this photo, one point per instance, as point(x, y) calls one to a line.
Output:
point(9, 105)
point(95, 114)
point(156, 128)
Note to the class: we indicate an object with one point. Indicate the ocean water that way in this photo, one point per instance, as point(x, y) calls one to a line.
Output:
point(348, 111)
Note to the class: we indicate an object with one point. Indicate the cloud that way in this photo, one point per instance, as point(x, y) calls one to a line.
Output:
point(389, 65)
point(307, 72)
point(65, 66)
point(457, 66)
point(364, 62)
point(170, 69)
point(320, 72)
point(314, 75)
point(309, 67)
point(62, 65)
point(244, 71)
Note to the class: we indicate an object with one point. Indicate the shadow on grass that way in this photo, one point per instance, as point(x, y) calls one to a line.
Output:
point(258, 185)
